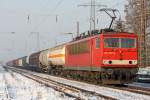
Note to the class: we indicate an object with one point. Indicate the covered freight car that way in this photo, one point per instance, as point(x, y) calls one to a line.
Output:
point(34, 61)
point(23, 61)
point(20, 62)
point(43, 59)
point(39, 61)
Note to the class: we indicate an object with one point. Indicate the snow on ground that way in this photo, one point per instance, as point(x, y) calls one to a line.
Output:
point(20, 88)
point(145, 71)
point(13, 86)
point(115, 93)
point(143, 85)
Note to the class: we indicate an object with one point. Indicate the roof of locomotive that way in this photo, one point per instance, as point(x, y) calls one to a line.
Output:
point(119, 33)
point(105, 33)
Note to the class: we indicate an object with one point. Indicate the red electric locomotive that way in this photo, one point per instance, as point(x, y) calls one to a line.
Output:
point(111, 57)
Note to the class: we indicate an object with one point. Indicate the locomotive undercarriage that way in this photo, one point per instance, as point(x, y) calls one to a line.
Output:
point(118, 75)
point(105, 76)
point(89, 76)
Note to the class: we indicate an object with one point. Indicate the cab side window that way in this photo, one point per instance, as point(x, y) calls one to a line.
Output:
point(97, 43)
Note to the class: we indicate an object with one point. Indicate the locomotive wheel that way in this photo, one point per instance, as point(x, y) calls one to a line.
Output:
point(55, 72)
point(48, 70)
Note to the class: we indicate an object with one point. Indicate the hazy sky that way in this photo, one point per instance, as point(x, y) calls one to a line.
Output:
point(18, 35)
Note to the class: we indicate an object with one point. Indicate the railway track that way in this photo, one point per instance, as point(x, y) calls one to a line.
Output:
point(82, 93)
point(77, 93)
point(140, 90)
point(134, 89)
point(126, 87)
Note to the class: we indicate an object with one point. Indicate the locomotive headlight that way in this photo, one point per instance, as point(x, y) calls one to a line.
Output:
point(107, 61)
point(110, 62)
point(104, 62)
point(130, 62)
point(135, 62)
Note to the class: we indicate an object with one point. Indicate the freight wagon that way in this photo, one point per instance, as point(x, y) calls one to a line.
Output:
point(34, 61)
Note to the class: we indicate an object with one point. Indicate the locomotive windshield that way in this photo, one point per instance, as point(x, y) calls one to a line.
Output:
point(119, 43)
point(128, 43)
point(111, 42)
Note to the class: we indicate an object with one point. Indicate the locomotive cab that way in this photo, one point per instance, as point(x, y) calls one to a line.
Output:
point(120, 57)
point(120, 50)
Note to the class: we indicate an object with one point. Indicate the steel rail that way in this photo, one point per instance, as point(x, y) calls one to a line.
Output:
point(133, 89)
point(79, 94)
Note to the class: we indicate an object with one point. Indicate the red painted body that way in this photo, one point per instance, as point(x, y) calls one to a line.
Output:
point(121, 53)
point(95, 56)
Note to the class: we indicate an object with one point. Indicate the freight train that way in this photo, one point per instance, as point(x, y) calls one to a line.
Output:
point(106, 56)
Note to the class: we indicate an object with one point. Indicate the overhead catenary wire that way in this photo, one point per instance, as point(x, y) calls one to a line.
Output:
point(51, 13)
